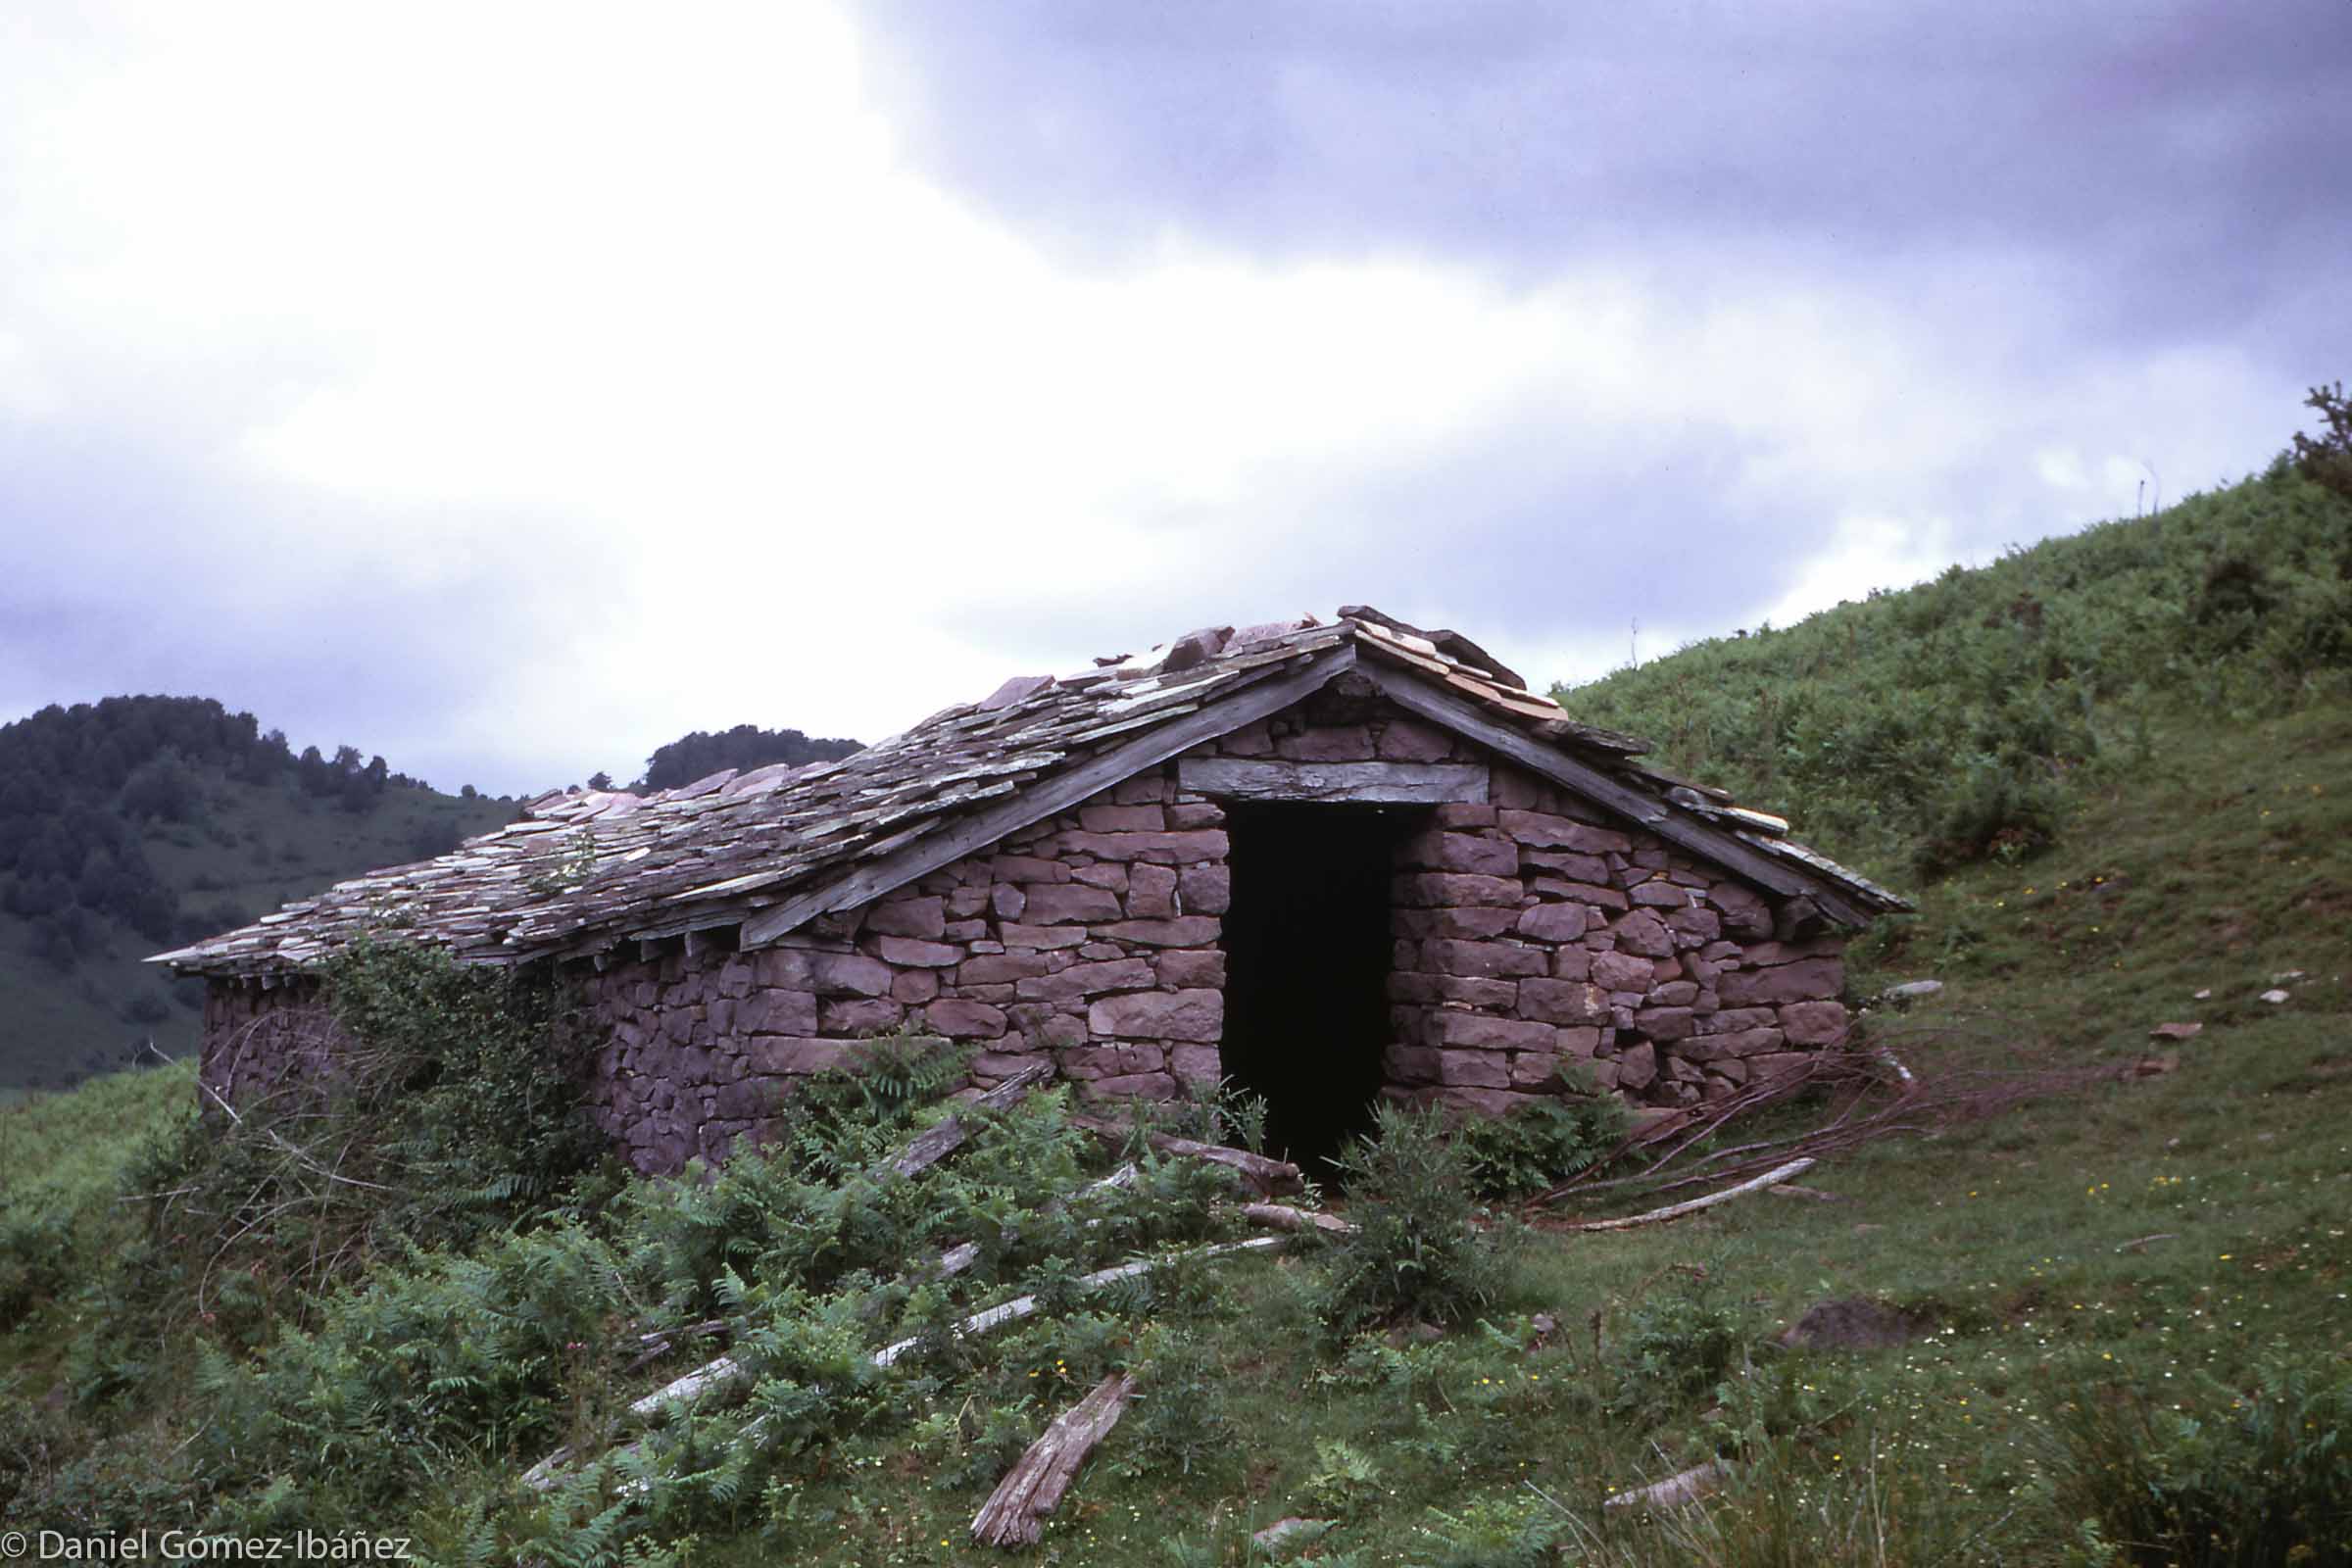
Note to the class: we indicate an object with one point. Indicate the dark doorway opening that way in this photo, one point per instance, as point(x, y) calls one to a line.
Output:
point(1307, 945)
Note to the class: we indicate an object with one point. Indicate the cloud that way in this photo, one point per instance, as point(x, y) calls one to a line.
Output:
point(511, 391)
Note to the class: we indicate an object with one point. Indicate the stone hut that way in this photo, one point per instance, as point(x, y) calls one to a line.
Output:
point(1330, 860)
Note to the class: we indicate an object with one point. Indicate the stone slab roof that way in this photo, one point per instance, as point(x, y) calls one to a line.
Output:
point(777, 846)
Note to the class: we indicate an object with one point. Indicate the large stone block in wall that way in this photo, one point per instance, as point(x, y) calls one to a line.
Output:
point(1327, 743)
point(1184, 968)
point(1429, 889)
point(1192, 1015)
point(1563, 1002)
point(1152, 893)
point(1440, 850)
point(775, 1055)
point(1475, 1069)
point(1642, 932)
point(1147, 819)
point(831, 974)
point(1029, 868)
point(1554, 922)
point(1017, 936)
point(1543, 830)
point(921, 917)
point(1070, 902)
point(1117, 1058)
point(1164, 849)
point(853, 1015)
point(1485, 959)
point(1622, 971)
point(1806, 980)
point(1814, 1023)
point(909, 953)
point(1406, 740)
point(1083, 980)
point(1001, 968)
point(1195, 1063)
point(1445, 1026)
point(1744, 912)
point(965, 1020)
point(1185, 931)
point(1409, 985)
point(1205, 889)
point(1589, 869)
point(1468, 924)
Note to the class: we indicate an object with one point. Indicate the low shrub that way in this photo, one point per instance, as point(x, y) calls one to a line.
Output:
point(1679, 1349)
point(1421, 1247)
point(2224, 1478)
point(1182, 1424)
point(1539, 1146)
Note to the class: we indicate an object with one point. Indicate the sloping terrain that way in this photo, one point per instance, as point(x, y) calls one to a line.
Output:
point(2095, 1313)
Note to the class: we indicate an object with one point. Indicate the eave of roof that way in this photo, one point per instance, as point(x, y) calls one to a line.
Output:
point(771, 849)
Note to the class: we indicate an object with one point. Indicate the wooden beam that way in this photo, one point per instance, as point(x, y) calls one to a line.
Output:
point(1014, 1513)
point(1416, 696)
point(1368, 783)
point(946, 1134)
point(1771, 1178)
point(976, 832)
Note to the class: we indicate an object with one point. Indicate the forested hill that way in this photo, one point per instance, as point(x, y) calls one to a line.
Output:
point(743, 748)
point(137, 824)
point(133, 823)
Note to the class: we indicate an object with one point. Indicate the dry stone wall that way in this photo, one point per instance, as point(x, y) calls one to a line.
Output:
point(1531, 936)
point(1089, 940)
point(258, 1040)
point(1531, 939)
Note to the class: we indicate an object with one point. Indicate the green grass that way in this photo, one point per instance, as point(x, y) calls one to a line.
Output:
point(63, 1163)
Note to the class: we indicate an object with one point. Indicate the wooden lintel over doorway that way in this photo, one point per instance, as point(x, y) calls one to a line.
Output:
point(1353, 783)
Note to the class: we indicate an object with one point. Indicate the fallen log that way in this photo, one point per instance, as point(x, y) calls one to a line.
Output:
point(1271, 1178)
point(1771, 1178)
point(944, 1136)
point(1014, 1513)
point(1022, 1306)
point(1688, 1486)
point(1283, 1217)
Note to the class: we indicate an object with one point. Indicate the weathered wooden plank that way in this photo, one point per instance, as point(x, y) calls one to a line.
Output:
point(1369, 783)
point(945, 1135)
point(1272, 1178)
point(1014, 1513)
point(1771, 1178)
point(1416, 696)
point(974, 833)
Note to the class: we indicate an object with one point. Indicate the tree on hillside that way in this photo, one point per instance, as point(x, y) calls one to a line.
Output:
point(161, 789)
point(745, 747)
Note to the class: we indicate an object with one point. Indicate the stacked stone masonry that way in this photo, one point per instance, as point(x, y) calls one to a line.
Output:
point(258, 1041)
point(1529, 935)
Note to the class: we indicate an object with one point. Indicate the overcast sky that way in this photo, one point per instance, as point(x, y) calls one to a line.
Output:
point(508, 388)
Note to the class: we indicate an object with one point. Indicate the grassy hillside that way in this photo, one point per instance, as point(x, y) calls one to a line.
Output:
point(246, 849)
point(2120, 1265)
point(1973, 716)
